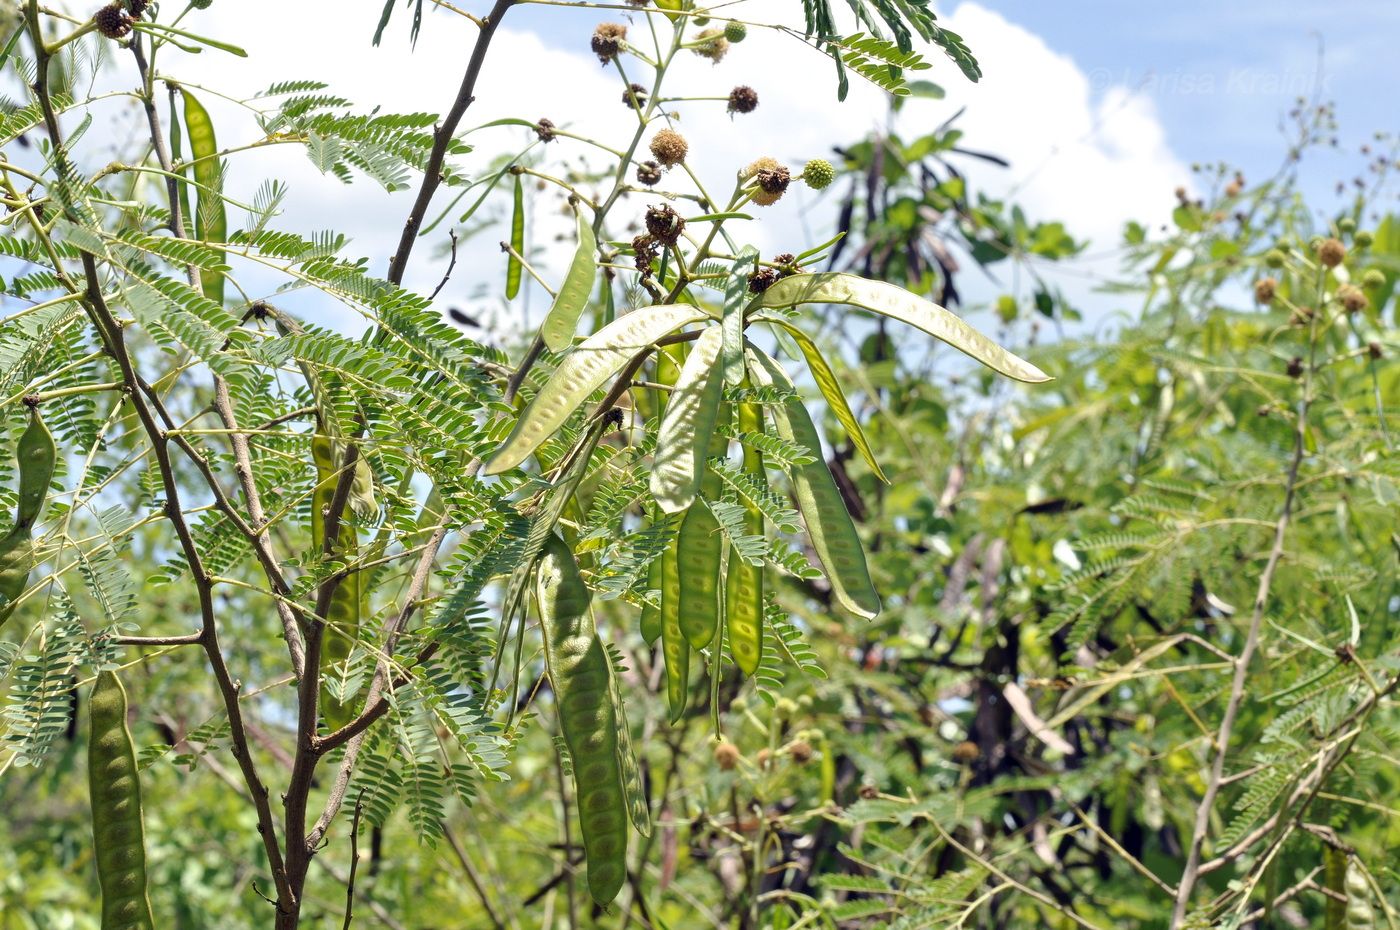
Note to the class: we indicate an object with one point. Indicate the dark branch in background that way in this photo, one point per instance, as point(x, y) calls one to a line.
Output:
point(442, 138)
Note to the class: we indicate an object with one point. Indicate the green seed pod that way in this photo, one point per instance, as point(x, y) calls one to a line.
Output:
point(211, 221)
point(16, 561)
point(699, 553)
point(201, 4)
point(37, 454)
point(114, 788)
point(651, 612)
point(736, 32)
point(581, 676)
point(343, 614)
point(743, 600)
point(675, 648)
point(698, 559)
point(829, 525)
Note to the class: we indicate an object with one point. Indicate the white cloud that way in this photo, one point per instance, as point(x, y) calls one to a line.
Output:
point(1093, 157)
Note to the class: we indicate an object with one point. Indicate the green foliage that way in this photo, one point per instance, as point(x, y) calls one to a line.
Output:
point(938, 651)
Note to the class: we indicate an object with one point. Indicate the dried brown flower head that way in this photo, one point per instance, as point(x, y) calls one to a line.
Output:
point(669, 147)
point(608, 40)
point(113, 21)
point(1331, 252)
point(649, 173)
point(743, 99)
point(664, 223)
point(762, 279)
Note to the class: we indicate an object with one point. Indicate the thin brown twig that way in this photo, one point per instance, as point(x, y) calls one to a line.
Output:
point(354, 861)
point(473, 878)
point(110, 332)
point(1221, 747)
point(451, 264)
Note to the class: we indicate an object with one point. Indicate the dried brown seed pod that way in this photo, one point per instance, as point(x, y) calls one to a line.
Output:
point(545, 130)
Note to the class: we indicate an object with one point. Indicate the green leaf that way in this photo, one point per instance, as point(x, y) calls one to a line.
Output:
point(898, 304)
point(559, 325)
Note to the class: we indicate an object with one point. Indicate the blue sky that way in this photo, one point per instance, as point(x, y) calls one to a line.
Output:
point(1220, 74)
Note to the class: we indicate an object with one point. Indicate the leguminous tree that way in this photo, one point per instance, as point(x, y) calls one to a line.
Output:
point(402, 504)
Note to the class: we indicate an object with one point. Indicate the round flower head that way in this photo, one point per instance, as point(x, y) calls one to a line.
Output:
point(634, 97)
point(818, 174)
point(757, 165)
point(736, 32)
point(1331, 252)
point(1352, 298)
point(608, 39)
point(711, 44)
point(743, 99)
point(1264, 290)
point(726, 755)
point(664, 223)
point(649, 173)
point(1373, 278)
point(545, 130)
point(669, 147)
point(113, 21)
point(772, 180)
point(201, 4)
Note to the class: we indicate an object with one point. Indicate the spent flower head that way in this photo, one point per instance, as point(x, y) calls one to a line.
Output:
point(669, 147)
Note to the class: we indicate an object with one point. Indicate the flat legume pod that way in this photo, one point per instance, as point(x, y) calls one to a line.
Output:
point(35, 455)
point(343, 614)
point(114, 788)
point(581, 676)
point(833, 534)
point(585, 369)
point(743, 600)
point(699, 553)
